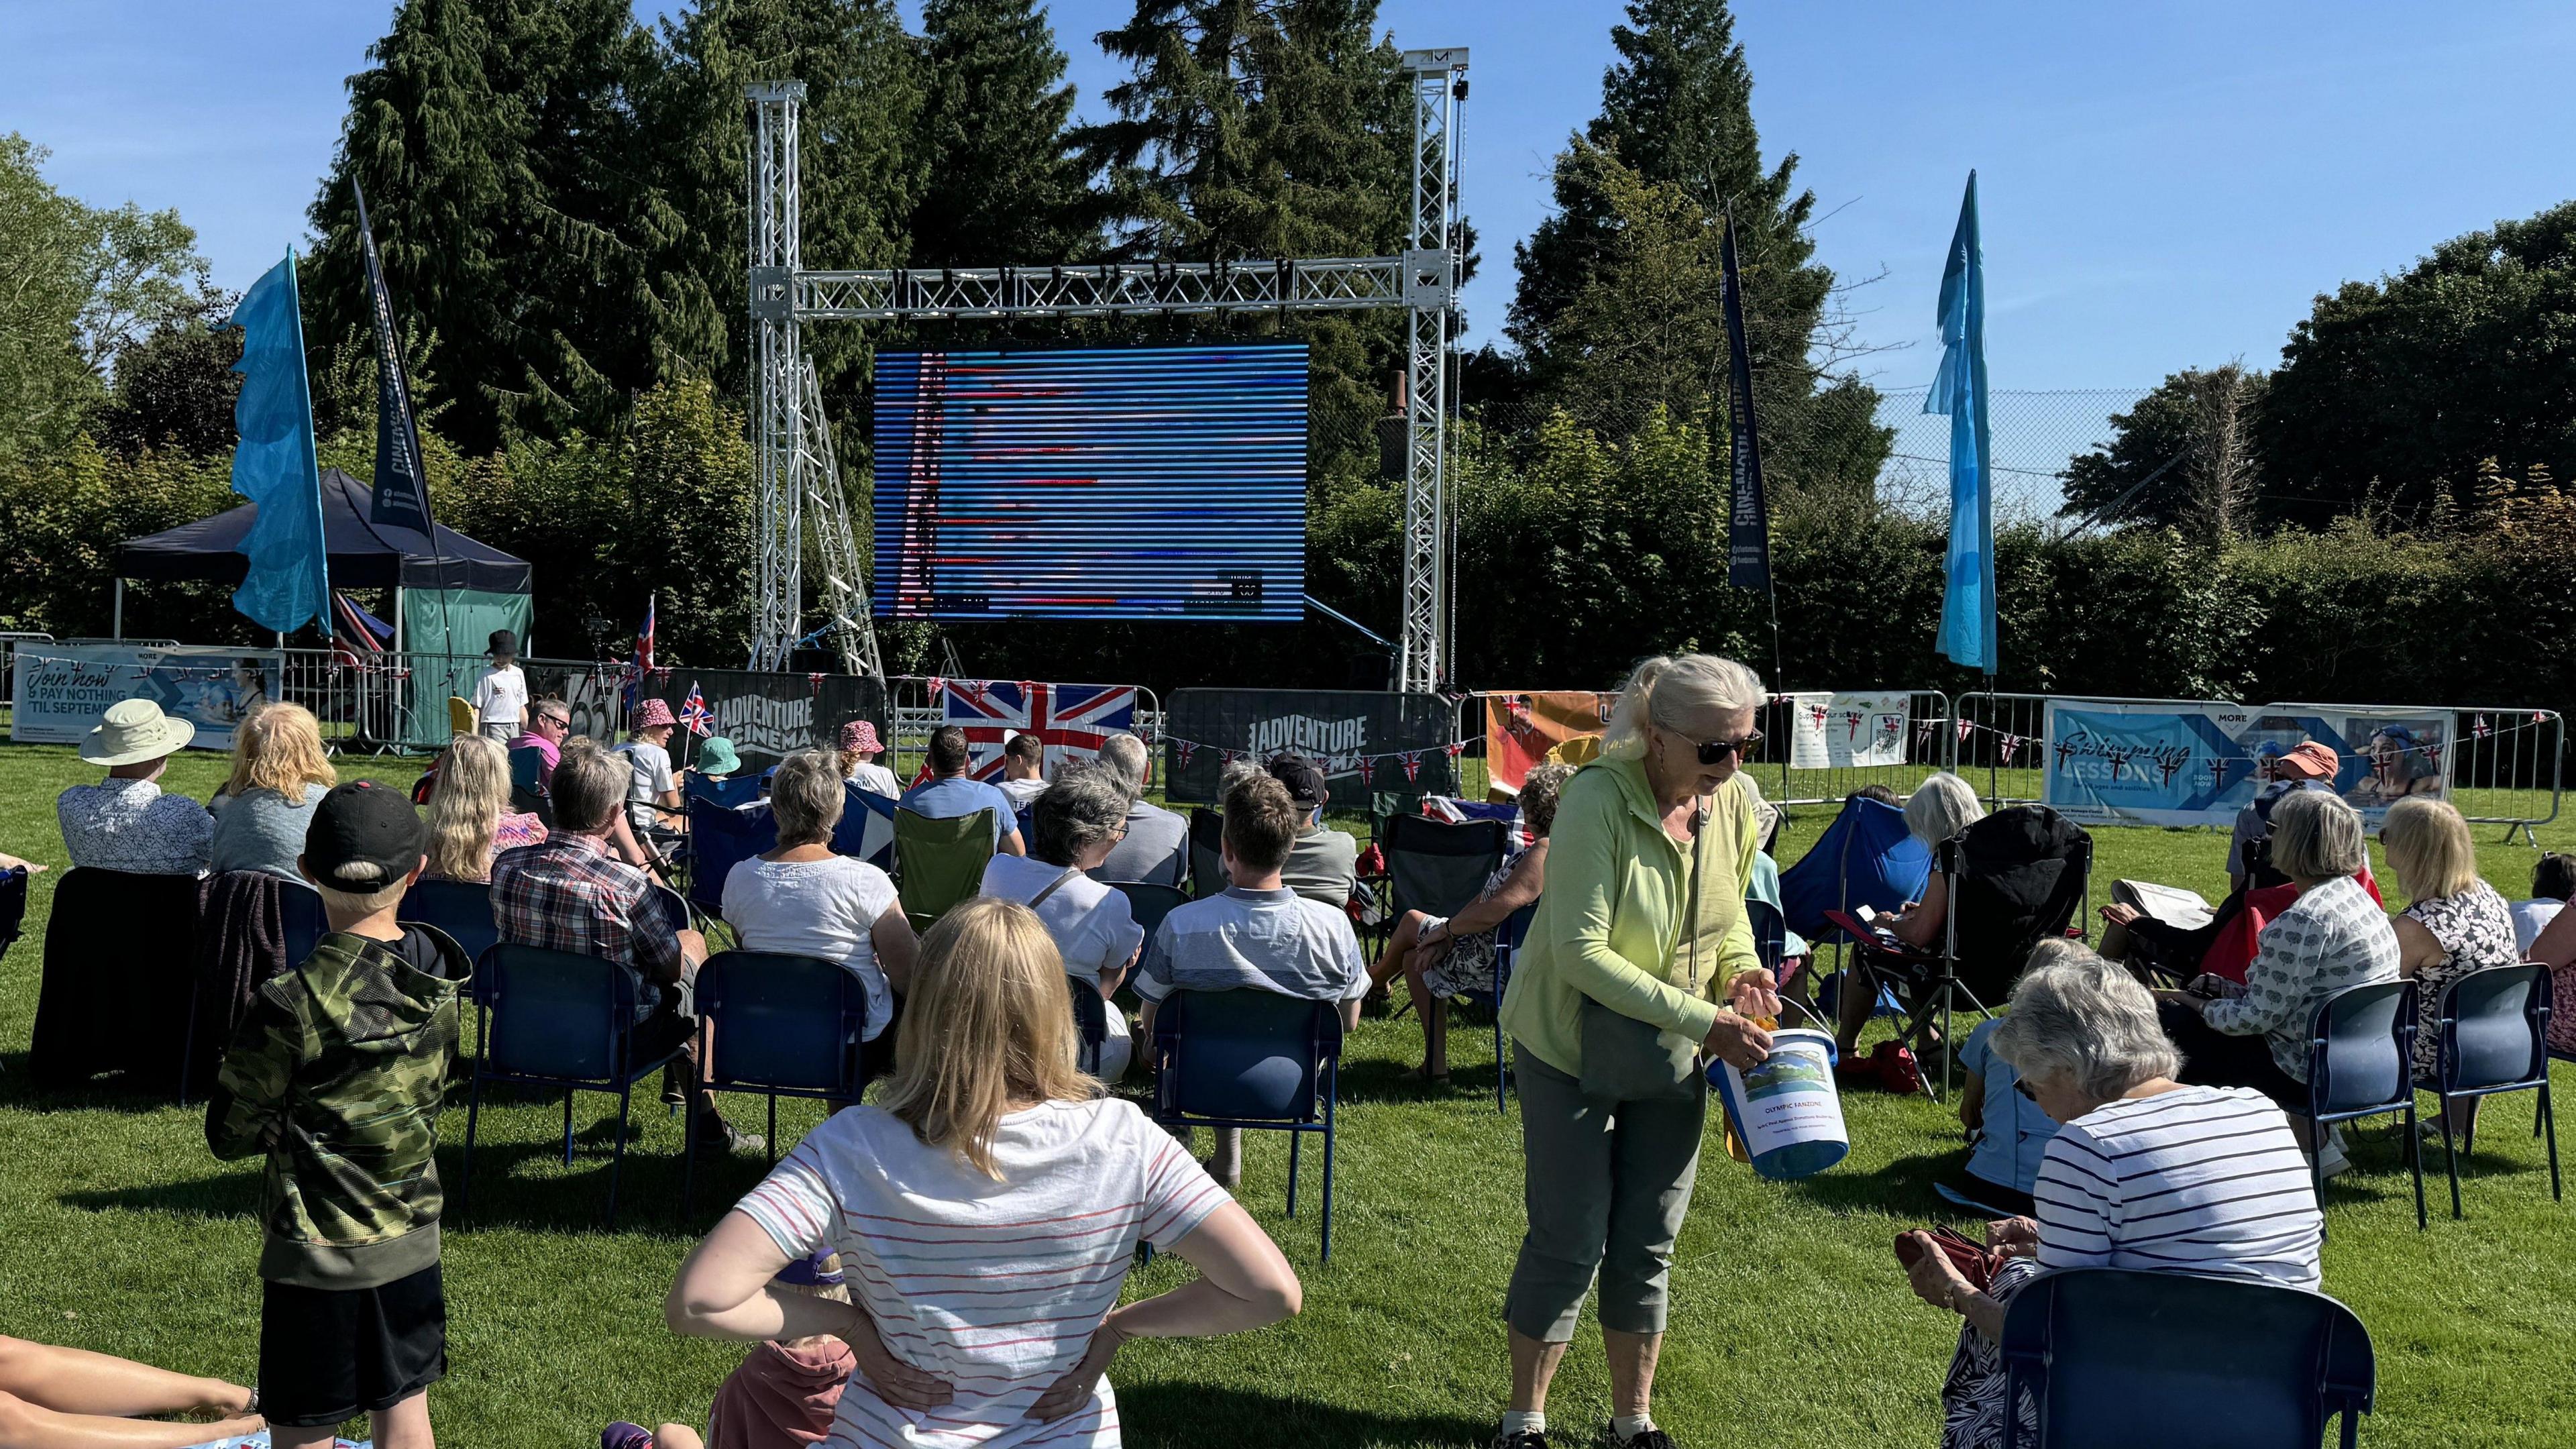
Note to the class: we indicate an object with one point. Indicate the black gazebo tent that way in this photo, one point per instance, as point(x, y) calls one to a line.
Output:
point(363, 555)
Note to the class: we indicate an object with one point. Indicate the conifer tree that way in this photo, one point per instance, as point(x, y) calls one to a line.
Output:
point(1001, 186)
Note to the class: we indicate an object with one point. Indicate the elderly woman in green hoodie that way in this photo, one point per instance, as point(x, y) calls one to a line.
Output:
point(1638, 966)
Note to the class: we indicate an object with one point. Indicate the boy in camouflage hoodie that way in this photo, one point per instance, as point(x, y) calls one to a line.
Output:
point(337, 1076)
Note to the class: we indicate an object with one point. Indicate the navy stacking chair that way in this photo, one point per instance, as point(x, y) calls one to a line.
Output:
point(2494, 1027)
point(782, 1026)
point(2361, 1062)
point(1252, 1059)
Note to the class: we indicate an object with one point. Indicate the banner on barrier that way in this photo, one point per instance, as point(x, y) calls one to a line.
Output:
point(1522, 730)
point(60, 690)
point(1367, 742)
point(1841, 731)
point(594, 694)
point(1072, 720)
point(2199, 764)
point(770, 716)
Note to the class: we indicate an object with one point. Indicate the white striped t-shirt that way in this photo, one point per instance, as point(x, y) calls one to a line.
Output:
point(2197, 1180)
point(995, 1287)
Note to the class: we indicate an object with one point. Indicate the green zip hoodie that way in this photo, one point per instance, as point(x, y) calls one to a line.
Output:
point(337, 1074)
point(1611, 925)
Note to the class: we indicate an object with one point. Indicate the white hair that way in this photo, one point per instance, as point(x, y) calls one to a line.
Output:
point(1670, 688)
point(2080, 1020)
point(1940, 807)
point(2316, 836)
point(1124, 754)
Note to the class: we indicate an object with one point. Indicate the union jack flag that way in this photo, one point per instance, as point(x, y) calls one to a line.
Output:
point(1072, 720)
point(359, 633)
point(694, 713)
point(1413, 764)
point(644, 637)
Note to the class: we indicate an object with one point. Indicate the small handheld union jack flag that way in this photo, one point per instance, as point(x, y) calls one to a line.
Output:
point(694, 712)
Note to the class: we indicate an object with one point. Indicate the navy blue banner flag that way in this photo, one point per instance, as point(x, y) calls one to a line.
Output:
point(1748, 554)
point(1108, 483)
point(402, 489)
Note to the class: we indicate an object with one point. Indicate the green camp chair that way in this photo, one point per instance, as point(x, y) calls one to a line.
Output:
point(939, 862)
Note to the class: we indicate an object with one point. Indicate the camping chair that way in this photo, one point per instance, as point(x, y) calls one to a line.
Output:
point(2015, 878)
point(528, 793)
point(1437, 868)
point(1090, 1021)
point(2494, 1027)
point(1252, 1059)
point(731, 793)
point(866, 831)
point(302, 924)
point(724, 839)
point(2119, 1359)
point(1507, 943)
point(1865, 857)
point(1207, 861)
point(2361, 1054)
point(942, 861)
point(133, 1019)
point(1150, 903)
point(460, 716)
point(784, 1026)
point(562, 1021)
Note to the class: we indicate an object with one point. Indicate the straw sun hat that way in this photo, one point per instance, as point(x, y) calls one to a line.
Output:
point(135, 730)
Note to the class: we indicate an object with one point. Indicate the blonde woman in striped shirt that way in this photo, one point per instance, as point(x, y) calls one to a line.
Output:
point(986, 1213)
point(2145, 1173)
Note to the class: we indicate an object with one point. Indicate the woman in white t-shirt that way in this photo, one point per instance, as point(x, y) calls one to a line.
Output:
point(986, 1211)
point(859, 751)
point(1076, 822)
point(802, 900)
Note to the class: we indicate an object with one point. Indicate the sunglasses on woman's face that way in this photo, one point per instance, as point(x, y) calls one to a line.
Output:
point(1712, 752)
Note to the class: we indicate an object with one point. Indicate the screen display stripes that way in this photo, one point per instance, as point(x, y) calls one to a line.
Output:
point(1125, 483)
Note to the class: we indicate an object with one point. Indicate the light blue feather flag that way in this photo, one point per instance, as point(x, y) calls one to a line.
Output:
point(289, 581)
point(1968, 605)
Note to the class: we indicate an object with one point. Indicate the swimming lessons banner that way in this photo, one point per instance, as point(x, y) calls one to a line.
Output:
point(62, 689)
point(2185, 763)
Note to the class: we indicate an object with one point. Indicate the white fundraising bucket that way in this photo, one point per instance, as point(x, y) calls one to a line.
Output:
point(1787, 1111)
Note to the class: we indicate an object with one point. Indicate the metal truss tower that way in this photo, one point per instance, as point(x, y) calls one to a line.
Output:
point(794, 445)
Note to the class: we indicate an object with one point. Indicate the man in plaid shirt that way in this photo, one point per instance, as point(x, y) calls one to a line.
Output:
point(569, 893)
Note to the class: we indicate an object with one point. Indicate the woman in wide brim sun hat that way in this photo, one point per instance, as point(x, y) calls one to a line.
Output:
point(134, 731)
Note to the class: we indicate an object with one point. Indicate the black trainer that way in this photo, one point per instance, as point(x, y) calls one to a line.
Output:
point(1525, 1439)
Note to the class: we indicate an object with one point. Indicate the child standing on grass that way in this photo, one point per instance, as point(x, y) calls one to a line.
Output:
point(337, 1076)
point(501, 692)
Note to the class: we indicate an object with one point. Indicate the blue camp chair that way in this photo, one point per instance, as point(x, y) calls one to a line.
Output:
point(562, 1021)
point(1150, 903)
point(2361, 1054)
point(1507, 944)
point(1252, 1059)
point(1770, 934)
point(2119, 1359)
point(1865, 857)
point(722, 839)
point(866, 831)
point(528, 793)
point(2494, 1027)
point(783, 1026)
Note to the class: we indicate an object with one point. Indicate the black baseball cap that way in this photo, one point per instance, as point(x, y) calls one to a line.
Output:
point(364, 837)
point(502, 643)
point(1304, 779)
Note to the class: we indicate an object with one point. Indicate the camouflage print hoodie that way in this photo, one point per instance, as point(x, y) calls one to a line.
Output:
point(337, 1074)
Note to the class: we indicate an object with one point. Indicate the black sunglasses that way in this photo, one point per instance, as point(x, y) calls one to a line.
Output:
point(1715, 751)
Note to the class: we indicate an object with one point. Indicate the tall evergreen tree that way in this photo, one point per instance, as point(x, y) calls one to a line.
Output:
point(498, 144)
point(1001, 184)
point(1676, 125)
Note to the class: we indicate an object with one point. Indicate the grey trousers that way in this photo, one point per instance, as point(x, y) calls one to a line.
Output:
point(1606, 1185)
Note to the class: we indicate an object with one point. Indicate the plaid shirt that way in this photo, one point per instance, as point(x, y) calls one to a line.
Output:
point(570, 894)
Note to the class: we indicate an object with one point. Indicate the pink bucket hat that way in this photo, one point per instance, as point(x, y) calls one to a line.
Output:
point(859, 736)
point(650, 713)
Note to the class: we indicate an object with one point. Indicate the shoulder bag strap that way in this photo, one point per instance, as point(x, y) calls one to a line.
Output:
point(1053, 886)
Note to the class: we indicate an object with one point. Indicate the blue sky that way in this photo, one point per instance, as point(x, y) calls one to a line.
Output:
point(2164, 184)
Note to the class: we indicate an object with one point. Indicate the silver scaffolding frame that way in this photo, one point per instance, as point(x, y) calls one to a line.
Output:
point(793, 440)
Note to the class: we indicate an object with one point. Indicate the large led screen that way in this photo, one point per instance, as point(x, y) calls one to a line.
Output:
point(1109, 483)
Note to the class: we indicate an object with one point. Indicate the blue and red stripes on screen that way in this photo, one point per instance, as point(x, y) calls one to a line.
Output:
point(1099, 483)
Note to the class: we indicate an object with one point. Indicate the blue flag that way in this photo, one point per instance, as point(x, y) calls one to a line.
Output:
point(289, 579)
point(1968, 606)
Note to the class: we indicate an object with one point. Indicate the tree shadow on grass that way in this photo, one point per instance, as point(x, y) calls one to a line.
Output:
point(1191, 1413)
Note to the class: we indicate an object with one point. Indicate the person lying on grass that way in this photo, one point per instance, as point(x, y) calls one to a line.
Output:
point(986, 1210)
point(69, 1398)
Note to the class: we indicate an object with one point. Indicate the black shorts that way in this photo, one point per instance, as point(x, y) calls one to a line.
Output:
point(329, 1355)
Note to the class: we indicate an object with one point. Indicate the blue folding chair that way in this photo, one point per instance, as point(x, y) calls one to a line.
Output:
point(2119, 1359)
point(783, 1026)
point(301, 919)
point(563, 1021)
point(1507, 944)
point(462, 909)
point(1150, 903)
point(1770, 934)
point(2494, 1027)
point(730, 793)
point(1252, 1059)
point(722, 839)
point(2361, 1055)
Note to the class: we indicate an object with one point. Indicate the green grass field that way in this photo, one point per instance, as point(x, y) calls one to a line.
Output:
point(1791, 1323)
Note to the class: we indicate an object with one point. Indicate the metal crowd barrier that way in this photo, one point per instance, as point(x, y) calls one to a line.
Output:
point(398, 701)
point(1924, 746)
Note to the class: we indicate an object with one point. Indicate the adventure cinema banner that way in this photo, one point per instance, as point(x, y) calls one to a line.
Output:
point(1537, 727)
point(769, 716)
point(1368, 743)
point(2195, 764)
point(62, 689)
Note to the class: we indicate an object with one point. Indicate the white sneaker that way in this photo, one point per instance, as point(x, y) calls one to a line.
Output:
point(2331, 1157)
